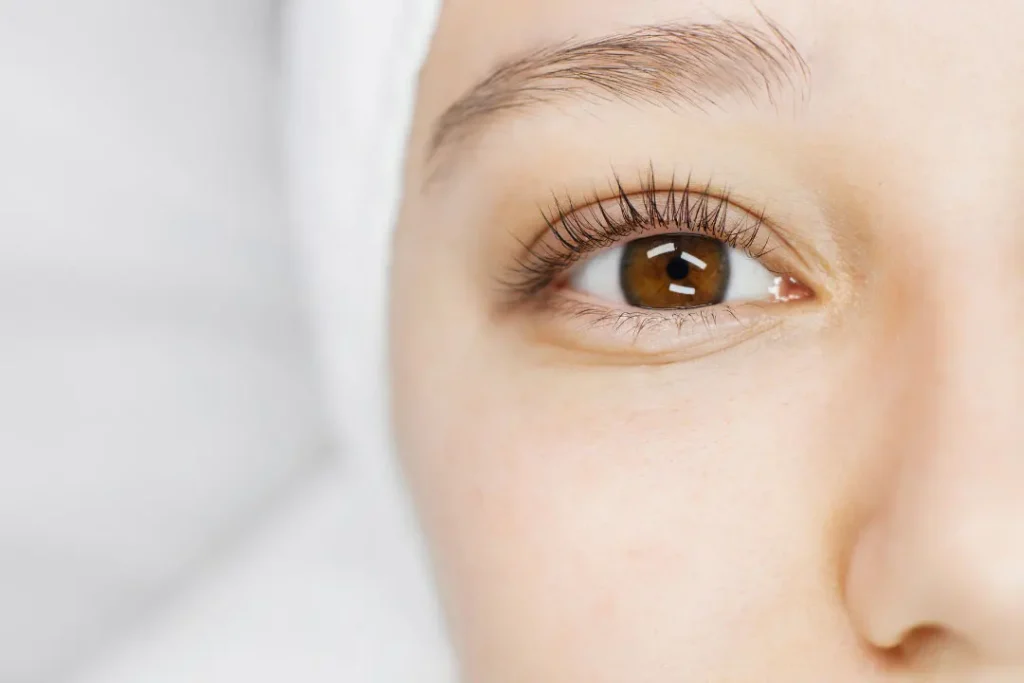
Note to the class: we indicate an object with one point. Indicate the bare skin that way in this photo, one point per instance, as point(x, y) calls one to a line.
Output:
point(822, 485)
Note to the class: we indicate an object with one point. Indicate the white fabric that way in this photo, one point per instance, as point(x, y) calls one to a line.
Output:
point(353, 67)
point(318, 595)
point(156, 391)
point(170, 506)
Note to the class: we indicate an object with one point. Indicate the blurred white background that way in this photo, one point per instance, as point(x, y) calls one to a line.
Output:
point(195, 198)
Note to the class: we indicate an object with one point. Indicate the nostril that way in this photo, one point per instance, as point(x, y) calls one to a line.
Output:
point(921, 649)
point(922, 642)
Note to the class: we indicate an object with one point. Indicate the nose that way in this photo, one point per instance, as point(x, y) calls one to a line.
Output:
point(945, 566)
point(938, 565)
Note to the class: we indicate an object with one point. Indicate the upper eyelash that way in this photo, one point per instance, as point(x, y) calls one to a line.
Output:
point(577, 231)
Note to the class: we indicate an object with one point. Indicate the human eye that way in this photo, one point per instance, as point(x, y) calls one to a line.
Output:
point(680, 271)
point(682, 263)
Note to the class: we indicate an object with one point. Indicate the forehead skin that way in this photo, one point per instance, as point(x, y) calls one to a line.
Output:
point(724, 519)
point(926, 55)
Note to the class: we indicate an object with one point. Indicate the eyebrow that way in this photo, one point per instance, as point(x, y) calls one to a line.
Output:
point(695, 65)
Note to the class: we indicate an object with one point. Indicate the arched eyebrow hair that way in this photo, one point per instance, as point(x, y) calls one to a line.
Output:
point(694, 65)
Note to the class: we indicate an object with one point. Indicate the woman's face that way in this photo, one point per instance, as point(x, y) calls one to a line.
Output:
point(708, 339)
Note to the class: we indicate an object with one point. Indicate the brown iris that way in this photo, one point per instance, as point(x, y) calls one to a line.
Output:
point(675, 271)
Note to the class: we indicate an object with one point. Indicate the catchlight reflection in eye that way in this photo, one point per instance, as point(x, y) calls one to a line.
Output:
point(679, 271)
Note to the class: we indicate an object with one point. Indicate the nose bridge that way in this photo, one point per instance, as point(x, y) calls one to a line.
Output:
point(966, 225)
point(942, 543)
point(971, 237)
point(965, 498)
point(978, 382)
point(950, 529)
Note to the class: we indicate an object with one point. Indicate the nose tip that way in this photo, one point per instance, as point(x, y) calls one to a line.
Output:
point(951, 576)
point(981, 597)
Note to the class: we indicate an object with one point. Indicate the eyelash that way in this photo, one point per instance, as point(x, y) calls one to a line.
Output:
point(575, 232)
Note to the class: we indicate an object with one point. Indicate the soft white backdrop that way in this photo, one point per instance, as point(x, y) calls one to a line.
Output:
point(197, 484)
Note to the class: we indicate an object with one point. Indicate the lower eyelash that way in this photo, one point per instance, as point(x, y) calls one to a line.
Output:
point(575, 232)
point(637, 322)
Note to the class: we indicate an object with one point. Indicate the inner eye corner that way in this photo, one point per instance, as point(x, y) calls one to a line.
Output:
point(792, 289)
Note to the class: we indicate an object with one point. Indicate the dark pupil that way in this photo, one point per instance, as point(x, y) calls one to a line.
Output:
point(678, 269)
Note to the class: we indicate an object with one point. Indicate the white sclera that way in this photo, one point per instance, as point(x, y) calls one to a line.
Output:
point(748, 279)
point(599, 276)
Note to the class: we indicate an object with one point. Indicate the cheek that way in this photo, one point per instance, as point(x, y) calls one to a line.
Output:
point(609, 514)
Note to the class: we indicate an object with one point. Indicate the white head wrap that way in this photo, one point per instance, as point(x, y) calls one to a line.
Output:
point(168, 509)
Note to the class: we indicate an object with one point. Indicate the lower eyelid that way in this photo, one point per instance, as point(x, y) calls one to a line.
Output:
point(617, 335)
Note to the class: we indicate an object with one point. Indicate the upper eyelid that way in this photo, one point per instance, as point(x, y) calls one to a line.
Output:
point(646, 185)
point(562, 210)
point(539, 265)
